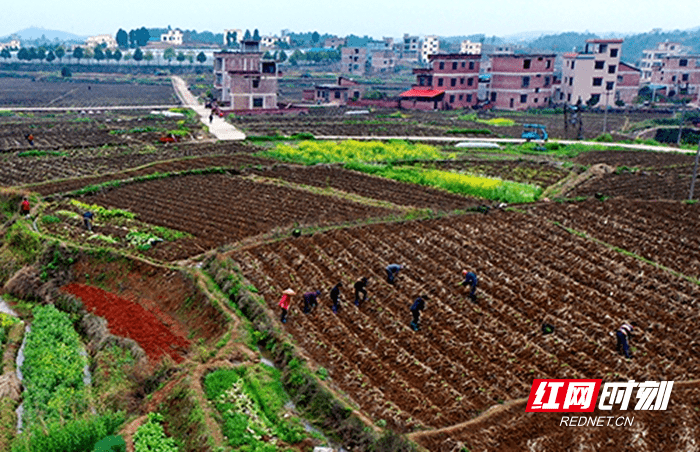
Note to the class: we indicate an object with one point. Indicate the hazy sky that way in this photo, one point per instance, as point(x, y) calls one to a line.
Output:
point(375, 18)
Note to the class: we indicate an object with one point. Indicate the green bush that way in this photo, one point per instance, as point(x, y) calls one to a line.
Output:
point(470, 131)
point(113, 443)
point(150, 437)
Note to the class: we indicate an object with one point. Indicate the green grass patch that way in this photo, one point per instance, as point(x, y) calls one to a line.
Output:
point(312, 152)
point(188, 112)
point(464, 184)
point(6, 113)
point(496, 122)
point(470, 131)
point(50, 219)
point(136, 130)
point(150, 436)
point(103, 212)
point(42, 154)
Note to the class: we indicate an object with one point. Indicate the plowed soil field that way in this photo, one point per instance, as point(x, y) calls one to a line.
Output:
point(470, 356)
point(220, 209)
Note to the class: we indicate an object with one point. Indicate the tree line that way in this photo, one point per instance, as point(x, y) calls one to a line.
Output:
point(100, 53)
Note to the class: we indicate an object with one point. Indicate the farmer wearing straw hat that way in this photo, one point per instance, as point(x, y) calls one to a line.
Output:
point(284, 303)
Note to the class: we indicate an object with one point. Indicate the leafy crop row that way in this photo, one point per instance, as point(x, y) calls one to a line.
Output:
point(53, 369)
point(151, 436)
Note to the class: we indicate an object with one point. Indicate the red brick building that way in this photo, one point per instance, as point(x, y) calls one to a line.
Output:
point(246, 81)
point(353, 60)
point(451, 82)
point(679, 74)
point(521, 82)
point(628, 79)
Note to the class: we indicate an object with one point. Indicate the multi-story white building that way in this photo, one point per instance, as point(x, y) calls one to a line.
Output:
point(470, 48)
point(173, 37)
point(12, 45)
point(431, 46)
point(653, 57)
point(591, 75)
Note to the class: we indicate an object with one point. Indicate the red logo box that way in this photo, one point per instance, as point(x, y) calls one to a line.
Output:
point(563, 396)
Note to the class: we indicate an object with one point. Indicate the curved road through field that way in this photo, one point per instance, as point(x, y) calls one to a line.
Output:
point(221, 129)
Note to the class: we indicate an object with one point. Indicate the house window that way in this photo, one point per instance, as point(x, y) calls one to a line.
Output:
point(571, 81)
point(535, 100)
point(619, 78)
point(442, 65)
point(613, 53)
point(453, 82)
point(599, 64)
point(439, 82)
point(257, 102)
point(523, 98)
point(461, 81)
point(611, 69)
point(609, 86)
point(683, 62)
point(493, 97)
point(572, 64)
point(526, 82)
point(256, 82)
point(452, 99)
point(512, 102)
point(603, 48)
point(463, 65)
point(598, 81)
point(469, 97)
point(461, 96)
point(549, 64)
point(546, 81)
point(568, 97)
point(471, 65)
point(337, 94)
point(684, 77)
point(526, 64)
point(470, 81)
point(454, 65)
point(673, 79)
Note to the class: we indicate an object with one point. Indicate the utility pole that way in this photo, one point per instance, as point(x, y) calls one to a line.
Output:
point(680, 126)
point(695, 173)
point(605, 115)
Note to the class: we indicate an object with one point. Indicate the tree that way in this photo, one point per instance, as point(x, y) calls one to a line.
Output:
point(201, 57)
point(231, 38)
point(50, 56)
point(138, 55)
point(88, 53)
point(5, 53)
point(315, 37)
point(180, 57)
point(246, 36)
point(256, 35)
point(132, 38)
point(99, 54)
point(32, 54)
point(190, 56)
point(78, 53)
point(23, 54)
point(142, 36)
point(108, 54)
point(60, 52)
point(40, 54)
point(122, 39)
point(267, 56)
point(169, 54)
point(148, 56)
point(65, 72)
point(117, 55)
point(282, 56)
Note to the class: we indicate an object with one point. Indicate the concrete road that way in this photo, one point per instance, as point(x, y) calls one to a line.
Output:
point(218, 127)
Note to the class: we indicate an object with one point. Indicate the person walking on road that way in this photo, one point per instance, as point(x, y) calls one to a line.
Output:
point(311, 300)
point(211, 117)
point(391, 271)
point(25, 208)
point(360, 288)
point(284, 303)
point(335, 294)
point(624, 334)
point(471, 281)
point(417, 306)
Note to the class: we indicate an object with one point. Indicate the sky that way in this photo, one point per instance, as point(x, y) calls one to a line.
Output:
point(376, 18)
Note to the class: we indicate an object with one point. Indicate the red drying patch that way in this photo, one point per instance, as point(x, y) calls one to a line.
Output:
point(128, 319)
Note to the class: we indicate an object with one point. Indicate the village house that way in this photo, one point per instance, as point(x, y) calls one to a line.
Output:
point(336, 94)
point(591, 75)
point(678, 75)
point(652, 57)
point(353, 60)
point(246, 81)
point(14, 44)
point(431, 46)
point(334, 42)
point(173, 37)
point(521, 82)
point(470, 48)
point(94, 41)
point(409, 49)
point(628, 80)
point(451, 82)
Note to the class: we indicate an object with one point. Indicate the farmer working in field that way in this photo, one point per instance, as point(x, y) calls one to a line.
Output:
point(30, 139)
point(360, 288)
point(417, 306)
point(391, 271)
point(24, 207)
point(624, 334)
point(310, 300)
point(335, 294)
point(284, 303)
point(470, 280)
point(87, 220)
